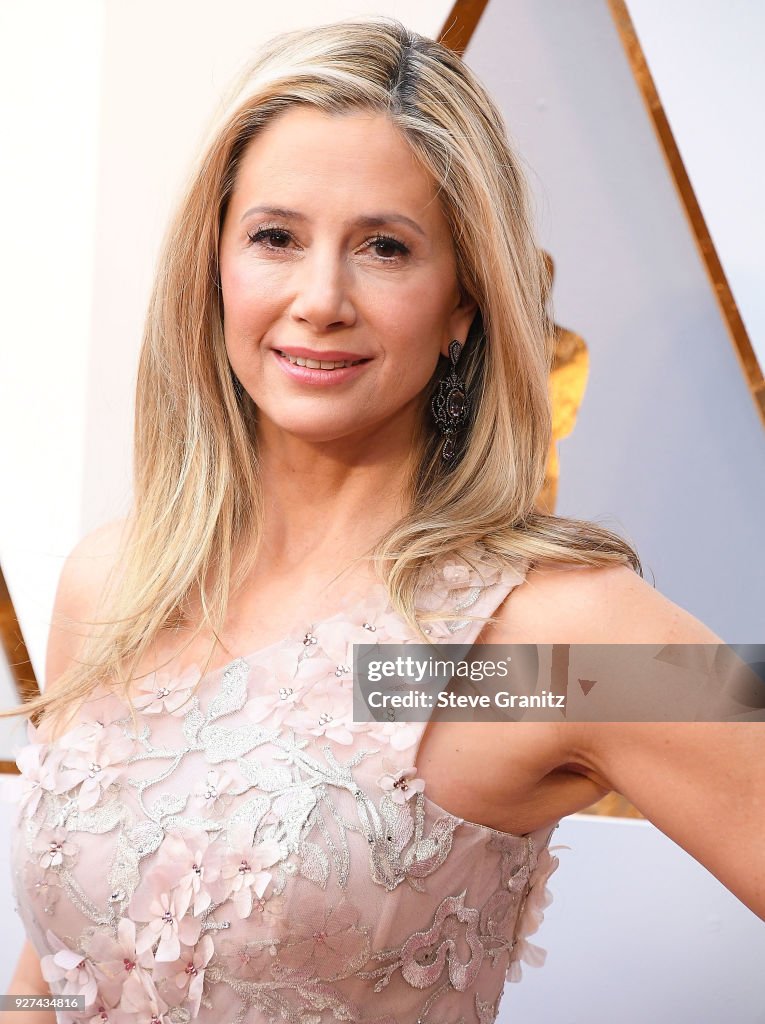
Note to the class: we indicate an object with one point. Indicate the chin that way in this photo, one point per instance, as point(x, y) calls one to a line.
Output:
point(311, 431)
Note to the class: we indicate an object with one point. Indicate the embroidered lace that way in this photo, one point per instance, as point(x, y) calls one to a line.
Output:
point(254, 855)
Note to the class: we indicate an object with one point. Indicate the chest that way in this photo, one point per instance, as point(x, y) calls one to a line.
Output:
point(280, 609)
point(504, 775)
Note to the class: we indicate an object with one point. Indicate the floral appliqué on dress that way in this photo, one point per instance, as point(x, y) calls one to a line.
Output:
point(252, 854)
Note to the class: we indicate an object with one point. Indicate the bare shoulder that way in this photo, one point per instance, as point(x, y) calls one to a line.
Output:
point(83, 577)
point(609, 604)
point(87, 567)
point(562, 604)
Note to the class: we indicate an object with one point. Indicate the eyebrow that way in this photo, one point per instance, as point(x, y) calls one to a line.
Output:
point(376, 220)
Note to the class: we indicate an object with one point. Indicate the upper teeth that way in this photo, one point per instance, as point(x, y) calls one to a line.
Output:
point(316, 364)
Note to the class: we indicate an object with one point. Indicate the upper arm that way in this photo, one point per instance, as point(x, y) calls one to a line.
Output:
point(701, 783)
point(28, 976)
point(81, 583)
point(593, 605)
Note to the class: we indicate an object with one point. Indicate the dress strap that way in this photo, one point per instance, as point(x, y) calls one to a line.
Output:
point(460, 594)
point(455, 598)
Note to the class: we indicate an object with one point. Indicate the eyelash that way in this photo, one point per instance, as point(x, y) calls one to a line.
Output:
point(262, 234)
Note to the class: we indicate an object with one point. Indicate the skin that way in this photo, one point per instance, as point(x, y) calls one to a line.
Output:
point(333, 465)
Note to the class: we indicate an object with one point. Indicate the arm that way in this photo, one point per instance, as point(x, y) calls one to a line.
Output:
point(701, 783)
point(27, 981)
point(82, 578)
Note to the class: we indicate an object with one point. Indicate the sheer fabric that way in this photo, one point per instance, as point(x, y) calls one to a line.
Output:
point(253, 855)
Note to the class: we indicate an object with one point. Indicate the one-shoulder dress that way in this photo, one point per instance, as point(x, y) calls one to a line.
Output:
point(251, 854)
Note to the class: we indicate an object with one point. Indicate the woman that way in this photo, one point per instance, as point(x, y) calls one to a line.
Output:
point(341, 428)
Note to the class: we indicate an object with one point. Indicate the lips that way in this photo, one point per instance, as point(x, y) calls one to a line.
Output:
point(319, 369)
point(319, 363)
point(334, 354)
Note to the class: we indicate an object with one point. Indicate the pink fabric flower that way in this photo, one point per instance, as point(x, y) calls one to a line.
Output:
point(165, 692)
point(95, 757)
point(164, 912)
point(399, 736)
point(213, 793)
point(299, 644)
point(70, 967)
point(105, 1013)
point(276, 688)
point(241, 865)
point(40, 768)
point(268, 911)
point(53, 845)
point(244, 959)
point(43, 884)
point(188, 861)
point(449, 583)
point(374, 621)
point(128, 971)
point(308, 671)
point(187, 975)
point(325, 710)
point(337, 637)
point(435, 592)
point(401, 785)
point(532, 914)
point(144, 1008)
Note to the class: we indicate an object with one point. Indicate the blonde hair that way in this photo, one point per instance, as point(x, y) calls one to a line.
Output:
point(198, 504)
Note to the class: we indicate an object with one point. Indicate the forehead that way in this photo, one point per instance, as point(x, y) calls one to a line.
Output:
point(358, 158)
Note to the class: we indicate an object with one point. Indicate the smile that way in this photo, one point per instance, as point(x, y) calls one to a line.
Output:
point(307, 372)
point(315, 364)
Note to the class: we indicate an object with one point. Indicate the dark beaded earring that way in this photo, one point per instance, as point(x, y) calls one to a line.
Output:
point(450, 404)
point(238, 389)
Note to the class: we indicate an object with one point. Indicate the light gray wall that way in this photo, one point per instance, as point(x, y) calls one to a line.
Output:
point(668, 447)
point(706, 59)
point(638, 932)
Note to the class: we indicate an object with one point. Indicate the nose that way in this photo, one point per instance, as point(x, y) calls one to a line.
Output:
point(322, 298)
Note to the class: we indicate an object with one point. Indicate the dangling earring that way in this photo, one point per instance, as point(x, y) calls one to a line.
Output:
point(450, 404)
point(238, 389)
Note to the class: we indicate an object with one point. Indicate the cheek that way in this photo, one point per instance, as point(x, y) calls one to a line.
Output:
point(411, 352)
point(417, 323)
point(247, 301)
point(417, 303)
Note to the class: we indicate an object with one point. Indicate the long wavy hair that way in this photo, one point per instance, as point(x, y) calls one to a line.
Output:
point(197, 498)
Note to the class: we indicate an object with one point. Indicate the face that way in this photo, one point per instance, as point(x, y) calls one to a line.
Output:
point(338, 279)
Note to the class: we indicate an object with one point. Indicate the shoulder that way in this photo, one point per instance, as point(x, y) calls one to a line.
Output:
point(83, 577)
point(87, 566)
point(605, 604)
point(97, 547)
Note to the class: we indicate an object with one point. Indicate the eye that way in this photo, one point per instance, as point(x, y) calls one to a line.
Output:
point(271, 238)
point(388, 248)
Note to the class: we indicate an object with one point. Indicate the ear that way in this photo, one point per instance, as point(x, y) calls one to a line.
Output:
point(460, 320)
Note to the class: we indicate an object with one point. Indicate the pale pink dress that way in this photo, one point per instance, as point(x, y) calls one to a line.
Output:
point(252, 855)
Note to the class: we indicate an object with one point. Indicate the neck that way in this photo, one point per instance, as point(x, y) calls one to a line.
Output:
point(327, 503)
